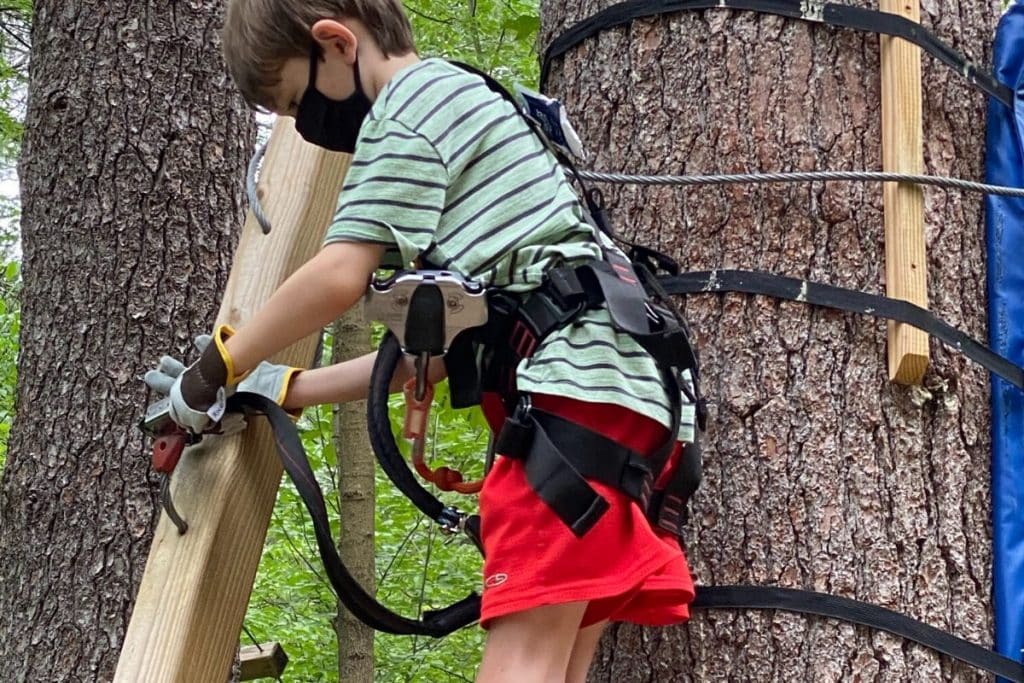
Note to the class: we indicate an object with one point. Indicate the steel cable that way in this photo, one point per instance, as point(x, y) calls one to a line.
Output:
point(801, 177)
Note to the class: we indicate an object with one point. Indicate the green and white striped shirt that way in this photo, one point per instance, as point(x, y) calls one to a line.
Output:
point(447, 171)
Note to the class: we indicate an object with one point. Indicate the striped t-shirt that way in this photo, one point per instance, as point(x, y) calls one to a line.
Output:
point(445, 170)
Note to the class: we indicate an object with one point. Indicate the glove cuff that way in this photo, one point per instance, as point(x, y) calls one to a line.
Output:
point(286, 382)
point(204, 379)
point(220, 337)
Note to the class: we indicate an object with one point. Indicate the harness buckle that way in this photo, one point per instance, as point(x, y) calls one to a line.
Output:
point(638, 480)
point(523, 340)
point(452, 520)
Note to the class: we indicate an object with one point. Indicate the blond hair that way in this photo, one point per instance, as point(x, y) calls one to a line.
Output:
point(260, 35)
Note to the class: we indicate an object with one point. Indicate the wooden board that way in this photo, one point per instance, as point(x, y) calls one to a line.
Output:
point(903, 152)
point(189, 610)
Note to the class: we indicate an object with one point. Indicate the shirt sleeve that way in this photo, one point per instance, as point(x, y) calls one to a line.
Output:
point(394, 193)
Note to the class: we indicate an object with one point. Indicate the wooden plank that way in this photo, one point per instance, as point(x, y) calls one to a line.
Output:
point(903, 152)
point(189, 609)
point(262, 661)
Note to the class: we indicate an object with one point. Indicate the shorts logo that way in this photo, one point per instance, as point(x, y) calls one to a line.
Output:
point(495, 580)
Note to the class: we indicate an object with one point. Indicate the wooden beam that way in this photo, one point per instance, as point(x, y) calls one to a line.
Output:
point(903, 152)
point(189, 610)
point(262, 661)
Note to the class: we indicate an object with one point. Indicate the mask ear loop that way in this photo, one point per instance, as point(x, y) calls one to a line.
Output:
point(314, 59)
point(358, 78)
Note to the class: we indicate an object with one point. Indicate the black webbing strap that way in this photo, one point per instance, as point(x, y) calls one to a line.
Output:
point(863, 613)
point(833, 14)
point(360, 603)
point(668, 508)
point(549, 473)
point(817, 294)
point(560, 455)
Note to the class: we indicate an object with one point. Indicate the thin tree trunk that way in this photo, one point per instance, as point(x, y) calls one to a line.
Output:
point(356, 469)
point(131, 172)
point(820, 474)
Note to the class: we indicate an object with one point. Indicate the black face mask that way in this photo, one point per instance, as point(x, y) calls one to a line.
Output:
point(327, 123)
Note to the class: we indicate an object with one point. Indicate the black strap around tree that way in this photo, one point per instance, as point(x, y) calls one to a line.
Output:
point(857, 612)
point(828, 296)
point(833, 14)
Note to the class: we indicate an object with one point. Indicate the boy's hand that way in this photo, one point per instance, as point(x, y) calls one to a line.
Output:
point(172, 378)
point(198, 393)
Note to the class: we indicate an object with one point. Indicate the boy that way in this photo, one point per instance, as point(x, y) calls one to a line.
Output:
point(446, 172)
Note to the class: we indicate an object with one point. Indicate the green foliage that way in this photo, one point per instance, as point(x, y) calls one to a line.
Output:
point(498, 36)
point(421, 568)
point(15, 16)
point(10, 325)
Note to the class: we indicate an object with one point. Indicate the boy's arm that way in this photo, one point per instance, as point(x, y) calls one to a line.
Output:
point(314, 296)
point(348, 381)
point(319, 292)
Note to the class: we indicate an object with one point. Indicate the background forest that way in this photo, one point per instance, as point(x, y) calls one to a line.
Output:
point(416, 568)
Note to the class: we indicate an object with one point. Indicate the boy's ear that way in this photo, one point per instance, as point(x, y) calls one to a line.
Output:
point(334, 36)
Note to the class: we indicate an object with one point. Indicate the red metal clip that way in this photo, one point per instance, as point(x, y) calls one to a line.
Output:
point(167, 451)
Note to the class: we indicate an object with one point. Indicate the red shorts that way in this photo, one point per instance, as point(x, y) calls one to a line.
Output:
point(624, 568)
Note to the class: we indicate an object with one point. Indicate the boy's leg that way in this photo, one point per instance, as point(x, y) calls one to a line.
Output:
point(583, 652)
point(532, 646)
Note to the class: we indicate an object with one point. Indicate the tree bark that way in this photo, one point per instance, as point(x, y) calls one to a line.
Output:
point(819, 473)
point(356, 470)
point(132, 167)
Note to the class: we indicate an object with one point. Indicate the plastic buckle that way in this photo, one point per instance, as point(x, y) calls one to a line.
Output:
point(566, 287)
point(634, 470)
point(523, 408)
point(452, 520)
point(523, 340)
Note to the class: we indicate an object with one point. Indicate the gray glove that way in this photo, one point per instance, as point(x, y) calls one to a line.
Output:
point(165, 380)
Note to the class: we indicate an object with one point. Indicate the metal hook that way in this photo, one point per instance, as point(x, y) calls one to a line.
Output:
point(168, 505)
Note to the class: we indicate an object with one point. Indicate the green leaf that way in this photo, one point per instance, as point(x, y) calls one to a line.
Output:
point(525, 26)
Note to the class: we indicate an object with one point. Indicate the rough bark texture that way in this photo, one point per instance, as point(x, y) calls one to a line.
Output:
point(356, 469)
point(131, 171)
point(820, 474)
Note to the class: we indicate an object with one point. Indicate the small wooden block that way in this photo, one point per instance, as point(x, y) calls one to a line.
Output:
point(262, 661)
point(903, 152)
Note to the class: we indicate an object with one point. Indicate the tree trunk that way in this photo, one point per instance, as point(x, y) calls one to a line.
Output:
point(356, 469)
point(819, 473)
point(131, 170)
